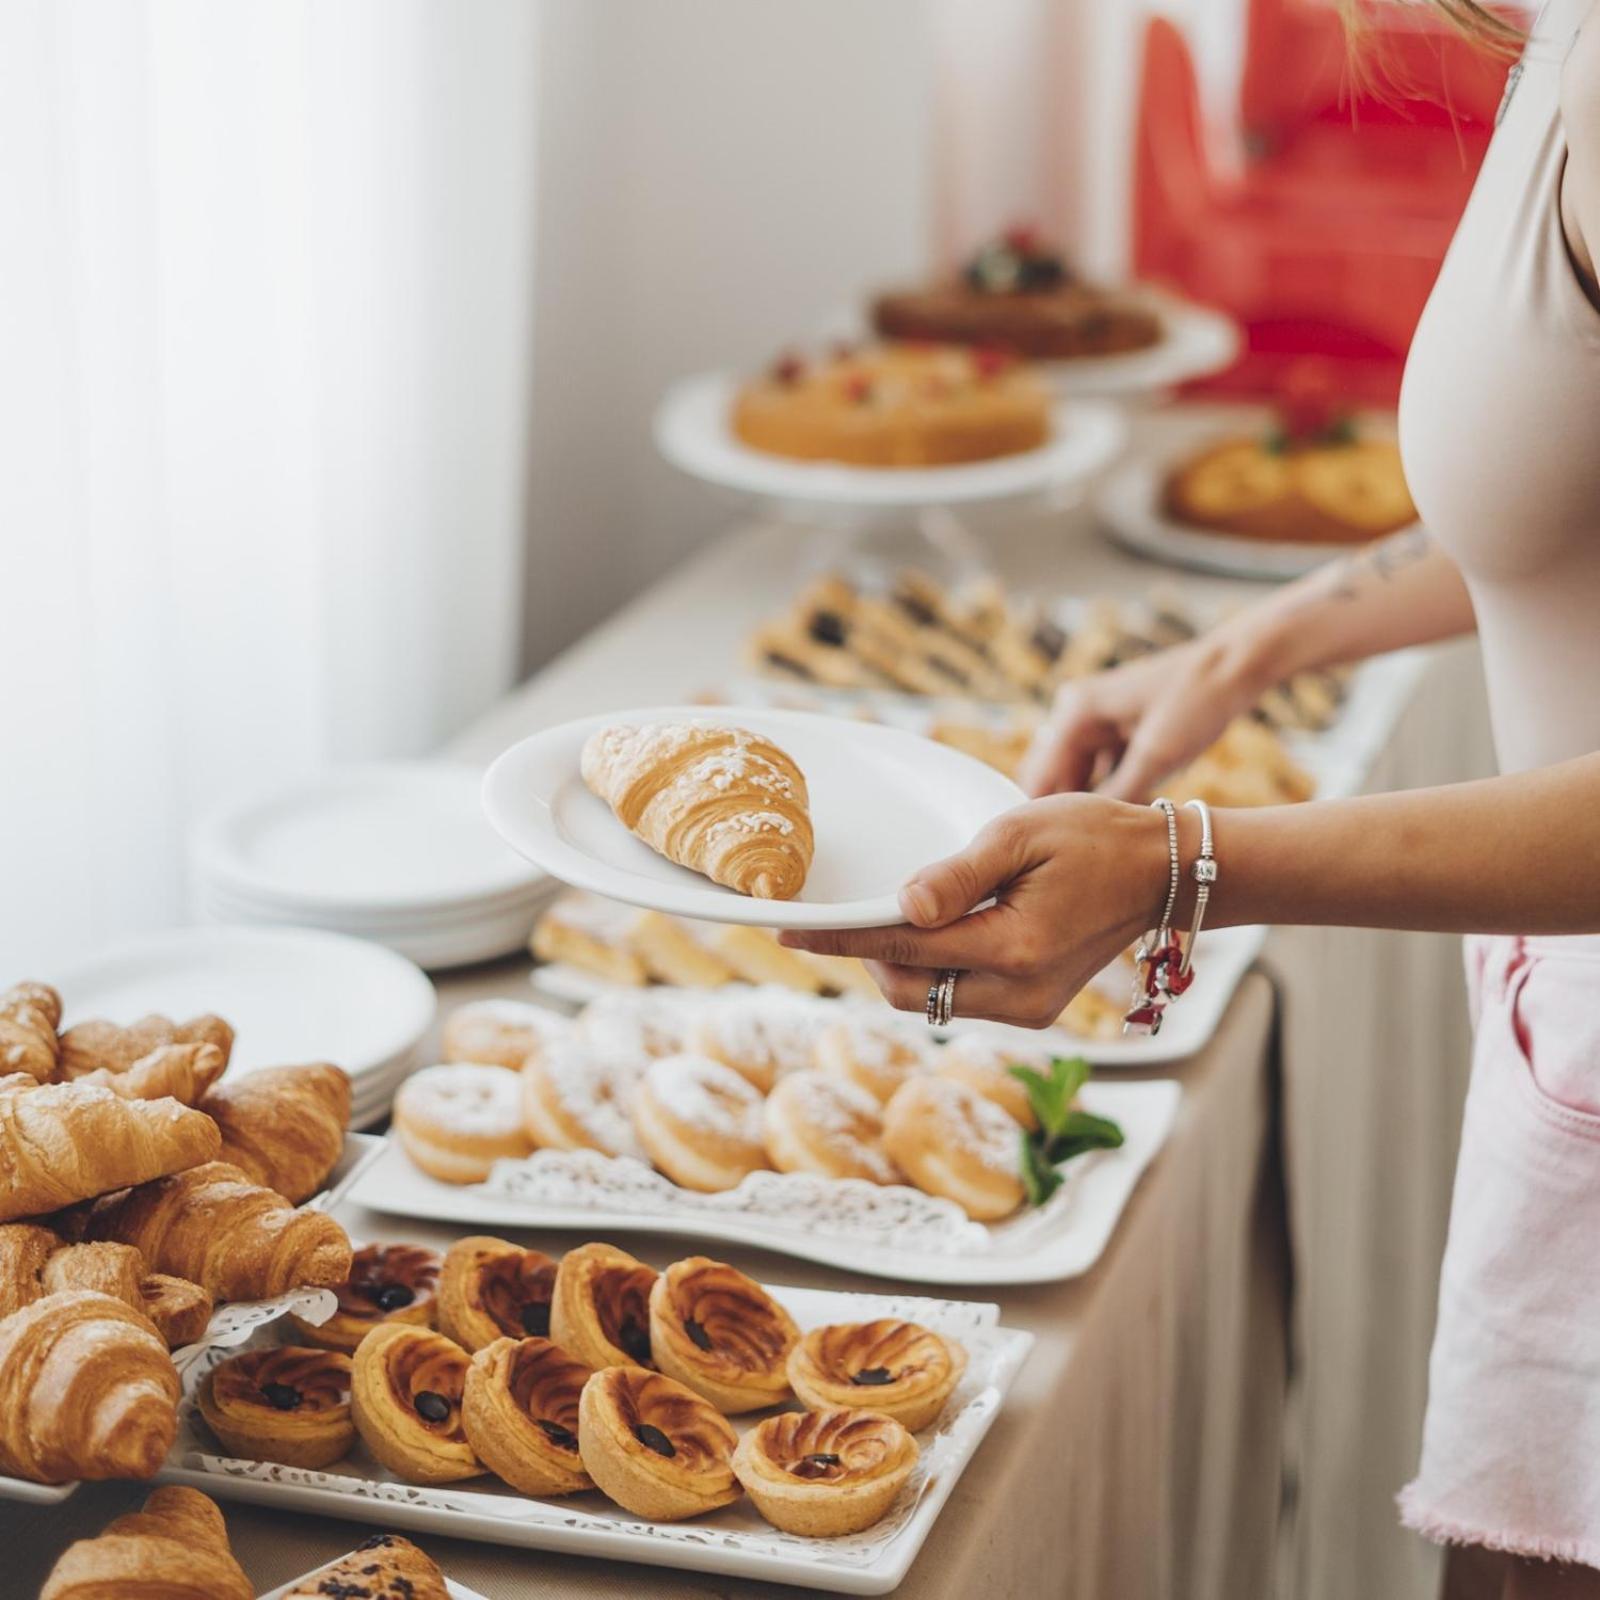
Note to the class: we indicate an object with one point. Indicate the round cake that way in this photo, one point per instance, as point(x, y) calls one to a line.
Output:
point(905, 405)
point(1018, 294)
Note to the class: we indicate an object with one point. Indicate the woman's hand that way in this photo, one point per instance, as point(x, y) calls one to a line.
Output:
point(1075, 879)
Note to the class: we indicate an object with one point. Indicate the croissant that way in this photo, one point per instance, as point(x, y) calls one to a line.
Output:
point(30, 1013)
point(91, 1045)
point(113, 1269)
point(175, 1548)
point(283, 1126)
point(62, 1143)
point(25, 1250)
point(87, 1390)
point(234, 1238)
point(722, 801)
point(182, 1072)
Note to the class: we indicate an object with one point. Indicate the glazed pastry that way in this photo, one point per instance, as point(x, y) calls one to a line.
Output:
point(825, 1473)
point(655, 1447)
point(755, 956)
point(721, 801)
point(520, 1411)
point(384, 1567)
point(582, 930)
point(573, 1100)
point(87, 1390)
point(722, 1334)
point(761, 1034)
point(283, 1127)
point(405, 1396)
point(626, 1031)
point(30, 1013)
point(91, 1045)
point(288, 1403)
point(25, 1248)
point(60, 1144)
point(983, 1063)
point(699, 1122)
point(456, 1121)
point(672, 952)
point(829, 1126)
point(175, 1547)
point(492, 1289)
point(235, 1239)
point(387, 1283)
point(501, 1033)
point(950, 1141)
point(600, 1307)
point(899, 1368)
point(180, 1310)
point(876, 1055)
point(183, 1072)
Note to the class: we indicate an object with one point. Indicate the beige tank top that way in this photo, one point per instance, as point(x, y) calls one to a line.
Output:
point(1500, 423)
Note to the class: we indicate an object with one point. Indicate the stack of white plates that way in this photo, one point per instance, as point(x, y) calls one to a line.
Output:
point(398, 853)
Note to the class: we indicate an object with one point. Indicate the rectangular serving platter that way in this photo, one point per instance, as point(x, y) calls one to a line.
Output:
point(732, 1542)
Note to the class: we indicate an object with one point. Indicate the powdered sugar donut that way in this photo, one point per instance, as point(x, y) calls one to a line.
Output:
point(873, 1053)
point(630, 1030)
point(983, 1062)
point(571, 1100)
point(455, 1121)
point(501, 1033)
point(762, 1034)
point(700, 1122)
point(950, 1141)
point(825, 1125)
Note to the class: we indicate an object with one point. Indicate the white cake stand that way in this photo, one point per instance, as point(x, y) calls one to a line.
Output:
point(1196, 342)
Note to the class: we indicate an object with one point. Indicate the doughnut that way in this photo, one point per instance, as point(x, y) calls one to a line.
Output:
point(952, 1142)
point(628, 1030)
point(762, 1034)
point(699, 1122)
point(983, 1060)
point(825, 1125)
point(873, 1053)
point(455, 1121)
point(571, 1100)
point(501, 1033)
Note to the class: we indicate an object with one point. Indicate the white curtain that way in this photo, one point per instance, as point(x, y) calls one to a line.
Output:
point(264, 339)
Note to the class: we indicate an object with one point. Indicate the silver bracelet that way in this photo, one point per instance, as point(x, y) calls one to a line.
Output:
point(1157, 953)
point(1204, 872)
point(1170, 812)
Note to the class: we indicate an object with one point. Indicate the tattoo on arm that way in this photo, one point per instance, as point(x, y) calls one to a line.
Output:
point(1382, 561)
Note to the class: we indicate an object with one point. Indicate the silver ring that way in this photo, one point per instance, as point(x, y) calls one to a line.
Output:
point(942, 998)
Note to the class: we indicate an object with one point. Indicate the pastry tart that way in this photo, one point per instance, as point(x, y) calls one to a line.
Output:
point(520, 1409)
point(700, 1122)
point(492, 1289)
point(825, 1473)
point(600, 1308)
point(829, 1126)
point(952, 1142)
point(387, 1283)
point(900, 1368)
point(655, 1447)
point(406, 1399)
point(287, 1403)
point(722, 1334)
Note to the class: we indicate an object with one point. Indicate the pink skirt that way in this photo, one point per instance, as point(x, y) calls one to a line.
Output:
point(1511, 1444)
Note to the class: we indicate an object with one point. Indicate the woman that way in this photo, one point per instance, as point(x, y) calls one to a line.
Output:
point(1500, 428)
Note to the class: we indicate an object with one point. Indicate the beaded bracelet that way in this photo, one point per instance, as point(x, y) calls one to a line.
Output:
point(1163, 964)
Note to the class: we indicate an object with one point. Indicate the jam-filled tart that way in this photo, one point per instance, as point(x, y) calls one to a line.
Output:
point(491, 1289)
point(520, 1410)
point(387, 1283)
point(655, 1447)
point(825, 1473)
point(722, 1334)
point(902, 1369)
point(406, 1399)
point(600, 1309)
point(288, 1403)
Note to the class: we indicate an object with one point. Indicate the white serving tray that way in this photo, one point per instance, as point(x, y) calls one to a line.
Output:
point(883, 1231)
point(457, 1591)
point(732, 1542)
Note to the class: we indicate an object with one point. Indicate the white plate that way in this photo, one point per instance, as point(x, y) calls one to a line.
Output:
point(291, 994)
point(884, 1232)
point(884, 803)
point(732, 1542)
point(1196, 342)
point(456, 1591)
point(692, 432)
point(400, 836)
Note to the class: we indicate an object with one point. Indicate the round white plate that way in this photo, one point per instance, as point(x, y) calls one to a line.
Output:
point(393, 837)
point(291, 994)
point(1196, 342)
point(884, 803)
point(692, 432)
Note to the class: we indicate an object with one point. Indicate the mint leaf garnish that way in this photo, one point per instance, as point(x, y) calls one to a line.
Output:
point(1064, 1130)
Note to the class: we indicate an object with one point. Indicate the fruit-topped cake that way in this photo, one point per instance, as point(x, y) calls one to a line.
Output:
point(895, 405)
point(1018, 293)
point(1310, 477)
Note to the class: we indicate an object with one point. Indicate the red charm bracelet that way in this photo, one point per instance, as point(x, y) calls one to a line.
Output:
point(1163, 963)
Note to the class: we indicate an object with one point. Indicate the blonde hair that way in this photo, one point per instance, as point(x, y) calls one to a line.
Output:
point(1476, 21)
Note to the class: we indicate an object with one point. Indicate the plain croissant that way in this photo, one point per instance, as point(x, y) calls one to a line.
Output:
point(183, 1072)
point(722, 801)
point(234, 1238)
point(91, 1046)
point(87, 1390)
point(30, 1013)
point(175, 1548)
point(283, 1126)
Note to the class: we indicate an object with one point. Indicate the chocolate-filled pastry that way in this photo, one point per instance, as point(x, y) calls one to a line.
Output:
point(384, 1567)
point(520, 1410)
point(655, 1447)
point(493, 1289)
point(600, 1309)
point(825, 1473)
point(387, 1283)
point(287, 1403)
point(899, 1368)
point(722, 1334)
point(405, 1396)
